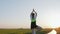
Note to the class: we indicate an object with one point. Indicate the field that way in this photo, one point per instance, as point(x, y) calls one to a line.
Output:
point(27, 31)
point(23, 31)
point(58, 30)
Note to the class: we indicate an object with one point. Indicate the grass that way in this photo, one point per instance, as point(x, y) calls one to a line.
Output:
point(22, 31)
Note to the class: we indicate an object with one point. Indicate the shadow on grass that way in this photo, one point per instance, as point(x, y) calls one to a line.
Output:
point(37, 33)
point(41, 32)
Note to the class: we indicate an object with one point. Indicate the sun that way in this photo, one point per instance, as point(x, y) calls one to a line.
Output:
point(55, 21)
point(55, 24)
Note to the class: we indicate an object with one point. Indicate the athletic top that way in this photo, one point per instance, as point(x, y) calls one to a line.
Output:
point(33, 16)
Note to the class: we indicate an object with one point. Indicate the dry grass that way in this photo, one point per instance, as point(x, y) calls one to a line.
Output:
point(22, 31)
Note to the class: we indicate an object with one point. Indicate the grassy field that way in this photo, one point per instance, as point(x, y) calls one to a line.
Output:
point(22, 31)
point(58, 30)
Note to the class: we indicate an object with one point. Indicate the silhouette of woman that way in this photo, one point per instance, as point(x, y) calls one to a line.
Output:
point(33, 19)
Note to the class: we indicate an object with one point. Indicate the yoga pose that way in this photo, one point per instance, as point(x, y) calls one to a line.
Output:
point(33, 16)
point(34, 27)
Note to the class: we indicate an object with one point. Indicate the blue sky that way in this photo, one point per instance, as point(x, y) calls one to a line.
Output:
point(16, 13)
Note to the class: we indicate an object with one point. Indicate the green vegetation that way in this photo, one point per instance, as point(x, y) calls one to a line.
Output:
point(22, 31)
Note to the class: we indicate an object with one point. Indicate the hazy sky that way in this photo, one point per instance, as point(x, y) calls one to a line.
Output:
point(16, 13)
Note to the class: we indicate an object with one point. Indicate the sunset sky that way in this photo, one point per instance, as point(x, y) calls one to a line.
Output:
point(16, 13)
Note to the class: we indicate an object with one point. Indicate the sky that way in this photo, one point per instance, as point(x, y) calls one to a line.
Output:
point(16, 13)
